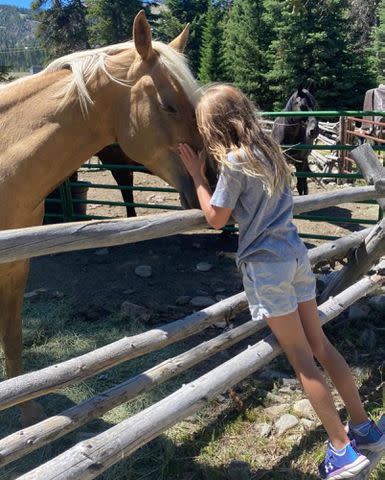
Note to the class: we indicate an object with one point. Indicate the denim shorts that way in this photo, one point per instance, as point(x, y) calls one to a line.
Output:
point(276, 288)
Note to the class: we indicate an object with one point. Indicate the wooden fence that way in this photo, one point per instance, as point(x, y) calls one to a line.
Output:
point(89, 458)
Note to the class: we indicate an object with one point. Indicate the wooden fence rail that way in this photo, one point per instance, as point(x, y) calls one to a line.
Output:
point(29, 439)
point(35, 384)
point(373, 248)
point(18, 244)
point(90, 458)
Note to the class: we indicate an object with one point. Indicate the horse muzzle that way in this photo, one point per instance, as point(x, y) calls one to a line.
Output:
point(189, 199)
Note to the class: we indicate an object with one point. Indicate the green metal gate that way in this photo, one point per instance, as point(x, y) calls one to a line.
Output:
point(69, 204)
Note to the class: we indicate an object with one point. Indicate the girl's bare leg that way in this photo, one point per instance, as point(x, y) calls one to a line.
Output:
point(290, 334)
point(332, 361)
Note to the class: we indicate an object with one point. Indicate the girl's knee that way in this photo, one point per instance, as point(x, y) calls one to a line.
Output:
point(322, 349)
point(301, 358)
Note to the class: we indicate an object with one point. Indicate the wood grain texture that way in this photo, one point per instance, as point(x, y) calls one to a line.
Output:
point(29, 439)
point(18, 244)
point(90, 458)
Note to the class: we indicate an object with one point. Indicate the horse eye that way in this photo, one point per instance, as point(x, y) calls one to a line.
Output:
point(168, 108)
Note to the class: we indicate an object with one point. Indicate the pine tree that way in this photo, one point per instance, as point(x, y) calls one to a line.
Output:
point(378, 48)
point(173, 18)
point(210, 69)
point(362, 19)
point(62, 26)
point(245, 41)
point(110, 21)
point(313, 47)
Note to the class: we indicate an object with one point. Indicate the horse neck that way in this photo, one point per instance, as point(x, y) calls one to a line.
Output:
point(42, 144)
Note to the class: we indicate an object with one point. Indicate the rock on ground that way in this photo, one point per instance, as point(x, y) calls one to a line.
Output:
point(357, 311)
point(276, 410)
point(274, 398)
point(303, 409)
point(182, 300)
point(238, 470)
point(204, 267)
point(202, 302)
point(307, 424)
point(377, 302)
point(285, 423)
point(263, 429)
point(144, 271)
point(135, 312)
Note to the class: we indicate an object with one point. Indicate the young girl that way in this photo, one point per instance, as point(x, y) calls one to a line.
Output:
point(254, 187)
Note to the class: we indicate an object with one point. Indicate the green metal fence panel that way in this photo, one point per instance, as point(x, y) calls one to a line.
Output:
point(67, 202)
point(325, 113)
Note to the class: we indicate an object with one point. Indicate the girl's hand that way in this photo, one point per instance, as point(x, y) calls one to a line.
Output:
point(192, 160)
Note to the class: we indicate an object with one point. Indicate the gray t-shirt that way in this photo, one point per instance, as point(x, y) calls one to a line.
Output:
point(266, 230)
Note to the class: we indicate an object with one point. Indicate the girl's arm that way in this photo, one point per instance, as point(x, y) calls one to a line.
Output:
point(217, 217)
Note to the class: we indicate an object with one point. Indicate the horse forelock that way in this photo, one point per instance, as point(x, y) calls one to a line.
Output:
point(86, 64)
point(310, 100)
point(177, 64)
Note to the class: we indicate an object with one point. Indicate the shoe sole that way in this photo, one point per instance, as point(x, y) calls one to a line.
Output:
point(373, 447)
point(352, 470)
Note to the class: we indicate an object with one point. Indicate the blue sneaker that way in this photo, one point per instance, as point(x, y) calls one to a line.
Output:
point(372, 440)
point(347, 465)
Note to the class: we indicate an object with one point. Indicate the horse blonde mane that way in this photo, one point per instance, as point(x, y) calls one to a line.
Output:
point(85, 65)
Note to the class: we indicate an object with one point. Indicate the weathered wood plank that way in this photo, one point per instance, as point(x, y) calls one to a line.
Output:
point(307, 203)
point(367, 254)
point(360, 261)
point(18, 244)
point(370, 167)
point(90, 458)
point(29, 439)
point(337, 249)
point(35, 384)
point(30, 242)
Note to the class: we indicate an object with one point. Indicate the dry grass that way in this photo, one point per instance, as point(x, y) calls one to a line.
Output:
point(204, 445)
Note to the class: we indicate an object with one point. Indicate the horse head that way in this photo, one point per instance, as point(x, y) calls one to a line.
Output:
point(303, 100)
point(294, 130)
point(157, 111)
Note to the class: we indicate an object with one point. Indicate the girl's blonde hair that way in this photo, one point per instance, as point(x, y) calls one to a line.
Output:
point(228, 122)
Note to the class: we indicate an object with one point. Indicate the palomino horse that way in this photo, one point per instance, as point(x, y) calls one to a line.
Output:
point(140, 94)
point(294, 130)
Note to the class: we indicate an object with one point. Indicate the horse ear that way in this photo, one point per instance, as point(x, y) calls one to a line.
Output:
point(142, 35)
point(179, 42)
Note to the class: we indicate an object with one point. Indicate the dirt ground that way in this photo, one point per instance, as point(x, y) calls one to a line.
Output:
point(89, 278)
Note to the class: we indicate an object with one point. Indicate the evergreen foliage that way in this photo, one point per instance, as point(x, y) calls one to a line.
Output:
point(210, 68)
point(379, 44)
point(174, 16)
point(62, 28)
point(110, 21)
point(362, 19)
point(245, 42)
point(312, 47)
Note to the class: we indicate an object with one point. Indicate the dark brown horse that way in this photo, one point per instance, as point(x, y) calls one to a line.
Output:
point(114, 155)
point(298, 130)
